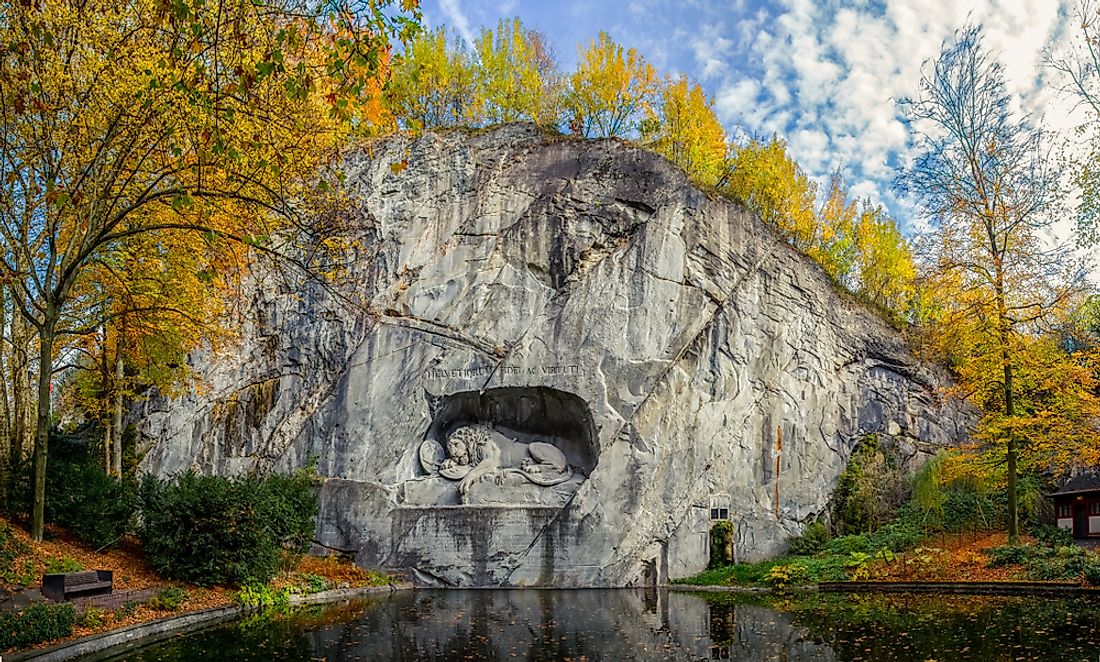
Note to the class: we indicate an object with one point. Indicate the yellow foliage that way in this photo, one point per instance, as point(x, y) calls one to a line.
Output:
point(834, 243)
point(686, 131)
point(141, 138)
point(434, 85)
point(765, 178)
point(1057, 406)
point(884, 262)
point(610, 91)
point(517, 77)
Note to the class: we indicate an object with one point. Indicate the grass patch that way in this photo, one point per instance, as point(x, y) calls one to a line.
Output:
point(738, 574)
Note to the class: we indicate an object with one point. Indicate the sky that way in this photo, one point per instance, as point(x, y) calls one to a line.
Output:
point(824, 75)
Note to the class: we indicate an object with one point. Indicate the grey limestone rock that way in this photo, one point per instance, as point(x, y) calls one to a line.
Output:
point(636, 350)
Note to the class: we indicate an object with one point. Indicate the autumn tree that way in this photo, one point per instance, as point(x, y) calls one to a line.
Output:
point(763, 176)
point(833, 244)
point(160, 296)
point(1078, 64)
point(434, 83)
point(610, 91)
point(987, 187)
point(120, 120)
point(684, 129)
point(517, 76)
point(885, 271)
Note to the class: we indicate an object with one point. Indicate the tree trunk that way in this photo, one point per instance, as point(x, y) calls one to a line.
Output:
point(116, 423)
point(105, 381)
point(1004, 331)
point(1010, 410)
point(5, 411)
point(21, 396)
point(42, 431)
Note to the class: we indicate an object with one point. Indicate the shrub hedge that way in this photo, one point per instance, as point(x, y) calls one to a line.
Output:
point(215, 530)
point(35, 624)
point(96, 508)
point(813, 539)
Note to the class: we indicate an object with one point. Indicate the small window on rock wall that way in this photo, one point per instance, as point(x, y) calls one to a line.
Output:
point(719, 507)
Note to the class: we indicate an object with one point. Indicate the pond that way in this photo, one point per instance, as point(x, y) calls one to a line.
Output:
point(637, 625)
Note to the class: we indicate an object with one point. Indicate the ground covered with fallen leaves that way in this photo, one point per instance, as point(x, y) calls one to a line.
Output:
point(949, 558)
point(952, 557)
point(25, 561)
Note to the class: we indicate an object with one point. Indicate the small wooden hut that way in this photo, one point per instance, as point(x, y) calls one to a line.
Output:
point(1077, 505)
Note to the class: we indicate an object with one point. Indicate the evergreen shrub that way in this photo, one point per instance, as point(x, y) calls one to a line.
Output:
point(813, 539)
point(216, 530)
point(96, 508)
point(721, 544)
point(35, 624)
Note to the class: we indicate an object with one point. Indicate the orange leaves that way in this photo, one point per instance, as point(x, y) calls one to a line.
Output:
point(191, 133)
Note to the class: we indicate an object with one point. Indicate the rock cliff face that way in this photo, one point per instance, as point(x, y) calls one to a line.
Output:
point(555, 363)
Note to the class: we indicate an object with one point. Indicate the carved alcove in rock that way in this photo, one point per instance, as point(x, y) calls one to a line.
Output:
point(504, 446)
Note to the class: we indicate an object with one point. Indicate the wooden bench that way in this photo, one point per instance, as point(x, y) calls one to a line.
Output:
point(63, 586)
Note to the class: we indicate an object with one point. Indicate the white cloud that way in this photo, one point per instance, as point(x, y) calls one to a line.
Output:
point(712, 51)
point(829, 75)
point(457, 19)
point(824, 74)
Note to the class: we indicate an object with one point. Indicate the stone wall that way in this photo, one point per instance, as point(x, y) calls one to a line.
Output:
point(552, 358)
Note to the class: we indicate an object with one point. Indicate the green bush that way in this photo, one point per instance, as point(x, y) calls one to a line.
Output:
point(216, 530)
point(940, 504)
point(96, 508)
point(310, 583)
point(959, 508)
point(869, 489)
point(1007, 555)
point(1051, 536)
point(1066, 563)
point(896, 537)
point(1058, 567)
point(63, 564)
point(290, 504)
point(1092, 571)
point(263, 596)
point(92, 617)
point(845, 545)
point(721, 544)
point(127, 609)
point(1068, 551)
point(35, 624)
point(813, 539)
point(168, 599)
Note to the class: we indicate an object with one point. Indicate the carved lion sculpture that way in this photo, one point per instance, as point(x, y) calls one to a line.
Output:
point(477, 451)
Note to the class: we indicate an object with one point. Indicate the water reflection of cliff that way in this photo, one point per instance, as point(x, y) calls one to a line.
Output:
point(558, 625)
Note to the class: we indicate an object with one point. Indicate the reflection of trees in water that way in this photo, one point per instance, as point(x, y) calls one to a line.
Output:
point(515, 624)
point(635, 625)
point(723, 620)
point(744, 632)
point(921, 627)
